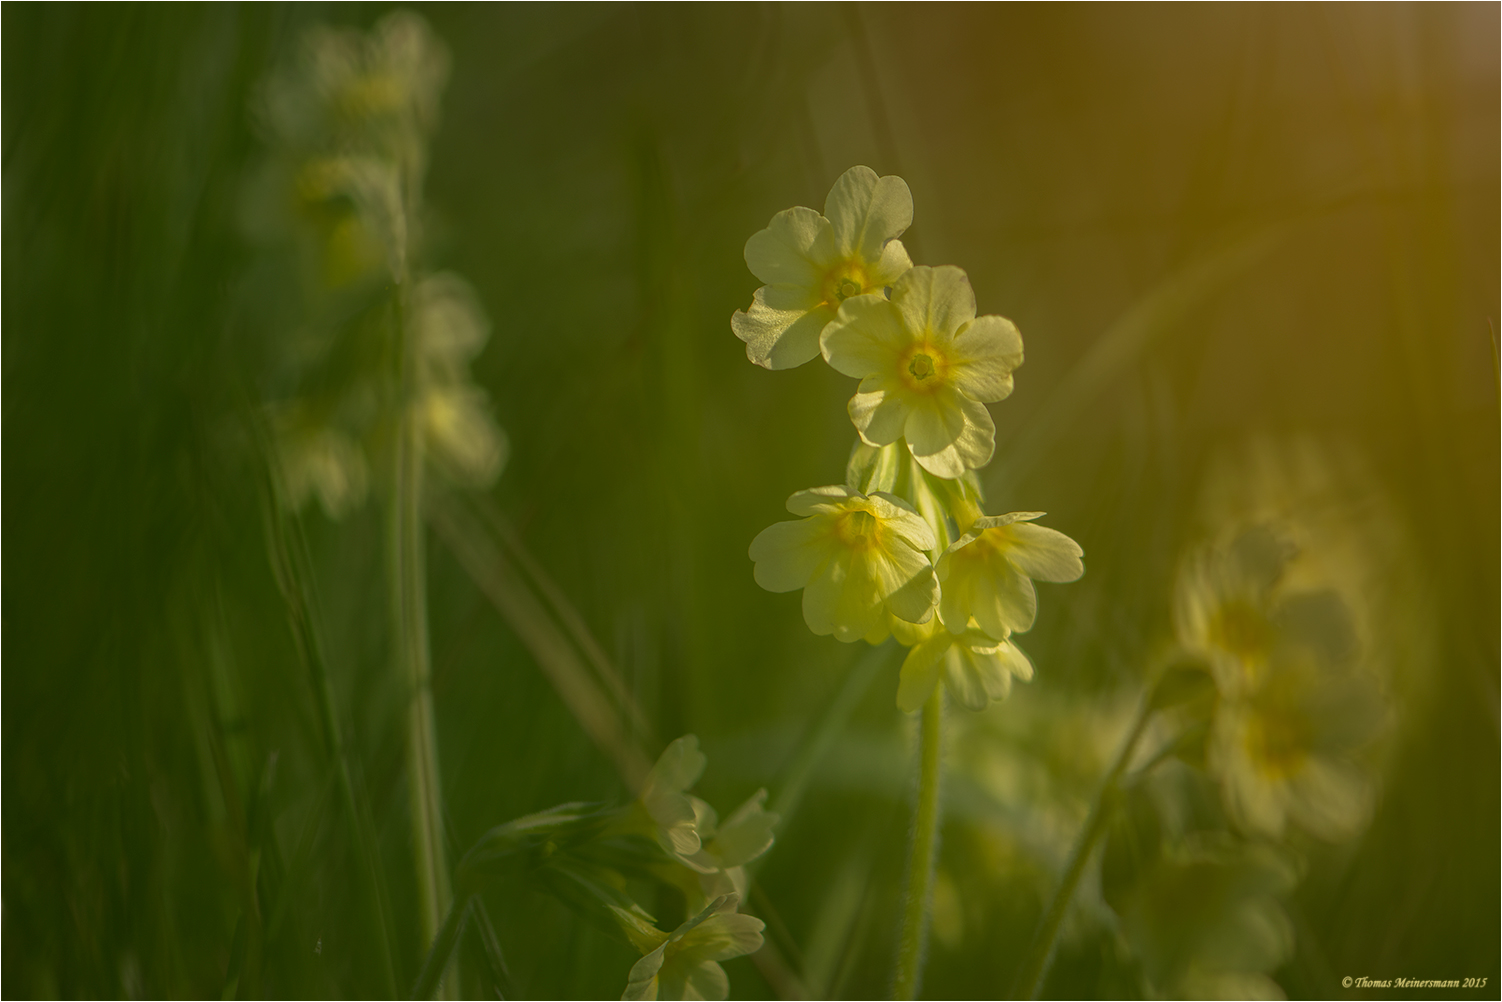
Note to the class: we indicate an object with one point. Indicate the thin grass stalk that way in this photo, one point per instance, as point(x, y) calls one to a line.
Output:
point(410, 611)
point(917, 903)
point(566, 614)
point(292, 569)
point(506, 588)
point(1035, 965)
point(409, 615)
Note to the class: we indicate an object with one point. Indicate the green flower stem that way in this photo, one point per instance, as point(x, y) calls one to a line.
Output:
point(920, 867)
point(410, 617)
point(1030, 976)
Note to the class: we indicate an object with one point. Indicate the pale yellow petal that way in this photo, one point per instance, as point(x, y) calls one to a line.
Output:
point(917, 590)
point(785, 252)
point(879, 416)
point(901, 519)
point(788, 553)
point(1015, 661)
point(840, 599)
point(779, 338)
point(974, 679)
point(866, 338)
point(934, 302)
point(1044, 554)
point(1002, 599)
point(821, 500)
point(949, 413)
point(866, 211)
point(920, 672)
point(893, 265)
point(987, 350)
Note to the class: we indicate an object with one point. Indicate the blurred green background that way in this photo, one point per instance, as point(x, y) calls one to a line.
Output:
point(1214, 226)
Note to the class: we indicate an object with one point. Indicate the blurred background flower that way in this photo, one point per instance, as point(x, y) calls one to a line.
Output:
point(1253, 253)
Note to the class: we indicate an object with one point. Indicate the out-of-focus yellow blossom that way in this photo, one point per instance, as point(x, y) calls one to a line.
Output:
point(976, 668)
point(988, 573)
point(1285, 751)
point(855, 556)
point(461, 437)
point(813, 263)
point(928, 366)
point(449, 329)
point(1205, 919)
point(1224, 603)
point(353, 91)
point(1297, 707)
point(684, 964)
point(316, 457)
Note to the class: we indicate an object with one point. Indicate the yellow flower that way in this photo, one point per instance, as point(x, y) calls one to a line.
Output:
point(988, 573)
point(855, 557)
point(928, 366)
point(977, 668)
point(813, 263)
point(684, 964)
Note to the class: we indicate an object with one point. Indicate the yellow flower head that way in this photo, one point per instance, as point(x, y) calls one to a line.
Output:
point(988, 573)
point(928, 366)
point(813, 263)
point(684, 964)
point(855, 557)
point(977, 668)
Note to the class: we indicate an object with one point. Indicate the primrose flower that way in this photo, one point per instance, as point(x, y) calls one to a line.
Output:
point(977, 668)
point(684, 964)
point(855, 557)
point(988, 573)
point(813, 263)
point(928, 366)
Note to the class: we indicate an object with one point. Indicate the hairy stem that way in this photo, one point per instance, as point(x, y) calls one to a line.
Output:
point(1035, 965)
point(920, 868)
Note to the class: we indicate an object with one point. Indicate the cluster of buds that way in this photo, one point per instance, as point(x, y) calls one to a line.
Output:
point(903, 548)
point(590, 856)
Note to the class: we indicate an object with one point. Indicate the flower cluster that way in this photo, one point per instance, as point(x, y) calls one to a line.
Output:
point(903, 548)
point(366, 334)
point(1295, 708)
